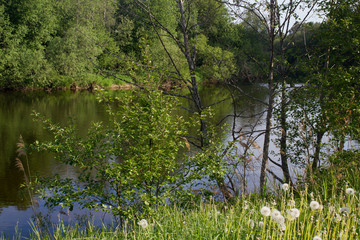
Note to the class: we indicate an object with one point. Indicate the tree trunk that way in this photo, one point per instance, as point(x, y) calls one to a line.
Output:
point(316, 160)
point(271, 98)
point(191, 65)
point(283, 139)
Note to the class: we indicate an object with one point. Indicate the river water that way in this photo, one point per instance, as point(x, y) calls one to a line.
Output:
point(83, 107)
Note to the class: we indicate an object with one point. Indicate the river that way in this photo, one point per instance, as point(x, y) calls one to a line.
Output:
point(83, 107)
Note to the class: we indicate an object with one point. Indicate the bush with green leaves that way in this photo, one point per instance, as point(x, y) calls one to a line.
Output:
point(127, 167)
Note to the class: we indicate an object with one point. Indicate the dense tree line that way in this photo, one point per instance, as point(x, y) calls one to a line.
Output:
point(46, 43)
point(49, 44)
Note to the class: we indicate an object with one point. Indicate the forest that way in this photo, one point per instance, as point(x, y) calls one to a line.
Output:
point(54, 44)
point(148, 160)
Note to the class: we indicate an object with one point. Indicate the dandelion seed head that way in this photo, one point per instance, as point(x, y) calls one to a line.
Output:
point(293, 214)
point(280, 219)
point(277, 217)
point(350, 191)
point(317, 238)
point(143, 223)
point(265, 211)
point(275, 213)
point(314, 205)
point(285, 187)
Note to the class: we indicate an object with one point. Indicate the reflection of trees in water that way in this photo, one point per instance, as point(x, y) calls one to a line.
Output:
point(10, 188)
point(245, 119)
point(16, 120)
point(219, 97)
point(250, 108)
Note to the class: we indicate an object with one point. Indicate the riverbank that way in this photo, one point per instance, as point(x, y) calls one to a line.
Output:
point(90, 87)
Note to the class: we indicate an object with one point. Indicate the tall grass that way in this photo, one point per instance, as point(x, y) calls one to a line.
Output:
point(334, 218)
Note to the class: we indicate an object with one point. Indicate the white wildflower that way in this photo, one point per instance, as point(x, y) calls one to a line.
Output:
point(317, 238)
point(280, 219)
point(285, 187)
point(277, 217)
point(265, 211)
point(143, 223)
point(314, 205)
point(275, 213)
point(293, 214)
point(350, 191)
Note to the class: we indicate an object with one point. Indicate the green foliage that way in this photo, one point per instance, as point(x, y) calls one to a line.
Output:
point(162, 60)
point(297, 55)
point(248, 41)
point(217, 27)
point(340, 79)
point(47, 43)
point(126, 168)
point(215, 63)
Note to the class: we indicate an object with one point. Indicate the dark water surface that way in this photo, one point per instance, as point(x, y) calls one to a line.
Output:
point(16, 120)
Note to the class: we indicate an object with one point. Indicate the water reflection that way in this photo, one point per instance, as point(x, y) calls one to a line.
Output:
point(16, 120)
